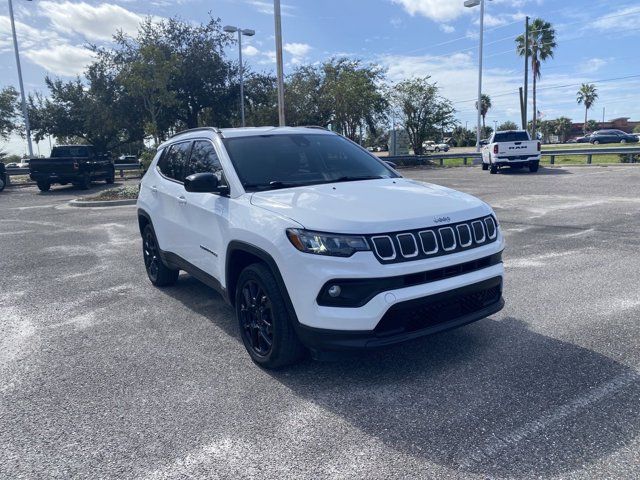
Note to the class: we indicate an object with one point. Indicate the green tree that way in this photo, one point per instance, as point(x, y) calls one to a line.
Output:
point(563, 127)
point(547, 128)
point(353, 91)
point(592, 126)
point(485, 106)
point(261, 99)
point(306, 102)
point(542, 43)
point(508, 125)
point(98, 112)
point(463, 137)
point(636, 129)
point(424, 112)
point(9, 112)
point(587, 95)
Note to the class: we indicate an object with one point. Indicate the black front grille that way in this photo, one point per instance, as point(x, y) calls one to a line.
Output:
point(432, 242)
point(434, 310)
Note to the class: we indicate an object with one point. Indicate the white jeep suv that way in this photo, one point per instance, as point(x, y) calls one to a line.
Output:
point(316, 243)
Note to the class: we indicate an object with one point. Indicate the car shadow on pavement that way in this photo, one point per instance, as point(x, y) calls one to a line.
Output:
point(541, 171)
point(97, 186)
point(495, 398)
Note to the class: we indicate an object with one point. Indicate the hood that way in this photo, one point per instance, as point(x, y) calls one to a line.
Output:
point(371, 206)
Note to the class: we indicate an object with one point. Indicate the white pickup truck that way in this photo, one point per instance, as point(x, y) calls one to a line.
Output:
point(512, 148)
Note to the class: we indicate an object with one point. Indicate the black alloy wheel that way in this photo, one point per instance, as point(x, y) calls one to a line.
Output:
point(160, 274)
point(151, 255)
point(256, 317)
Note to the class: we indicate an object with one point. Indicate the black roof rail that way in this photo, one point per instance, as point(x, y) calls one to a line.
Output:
point(198, 129)
point(316, 126)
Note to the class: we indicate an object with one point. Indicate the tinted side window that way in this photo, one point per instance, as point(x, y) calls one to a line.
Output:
point(204, 159)
point(174, 161)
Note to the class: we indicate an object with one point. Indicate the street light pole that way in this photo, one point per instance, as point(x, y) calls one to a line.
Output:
point(279, 63)
point(241, 32)
point(469, 4)
point(25, 114)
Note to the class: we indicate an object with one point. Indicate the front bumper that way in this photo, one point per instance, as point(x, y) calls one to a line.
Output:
point(309, 274)
point(414, 318)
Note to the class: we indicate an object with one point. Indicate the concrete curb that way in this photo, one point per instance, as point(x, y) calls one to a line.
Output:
point(101, 203)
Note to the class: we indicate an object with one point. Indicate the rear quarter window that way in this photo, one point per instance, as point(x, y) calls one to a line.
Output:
point(511, 137)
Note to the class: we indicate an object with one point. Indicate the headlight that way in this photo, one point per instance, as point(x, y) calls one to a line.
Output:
point(326, 243)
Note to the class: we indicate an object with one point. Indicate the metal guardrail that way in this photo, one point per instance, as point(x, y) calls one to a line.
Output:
point(473, 156)
point(121, 168)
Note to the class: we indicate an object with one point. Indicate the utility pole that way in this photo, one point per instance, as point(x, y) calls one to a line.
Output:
point(471, 4)
point(280, 68)
point(526, 72)
point(25, 114)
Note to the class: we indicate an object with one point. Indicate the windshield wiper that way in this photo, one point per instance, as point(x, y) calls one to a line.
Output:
point(354, 178)
point(273, 185)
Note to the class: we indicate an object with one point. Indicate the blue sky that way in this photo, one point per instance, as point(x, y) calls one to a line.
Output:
point(599, 42)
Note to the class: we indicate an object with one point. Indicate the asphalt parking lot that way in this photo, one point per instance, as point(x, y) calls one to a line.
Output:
point(103, 375)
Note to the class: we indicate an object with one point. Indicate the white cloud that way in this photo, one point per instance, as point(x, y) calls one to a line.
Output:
point(250, 51)
point(616, 21)
point(94, 22)
point(266, 7)
point(62, 59)
point(297, 49)
point(439, 10)
point(447, 28)
point(593, 65)
point(28, 36)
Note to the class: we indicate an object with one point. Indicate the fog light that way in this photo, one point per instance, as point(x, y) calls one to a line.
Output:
point(334, 291)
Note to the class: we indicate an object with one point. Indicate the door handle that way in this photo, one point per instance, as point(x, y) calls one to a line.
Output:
point(154, 189)
point(182, 200)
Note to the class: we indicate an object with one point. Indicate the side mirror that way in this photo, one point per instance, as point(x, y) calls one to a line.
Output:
point(392, 165)
point(205, 183)
point(484, 142)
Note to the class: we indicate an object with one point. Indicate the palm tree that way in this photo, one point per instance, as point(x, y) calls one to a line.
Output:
point(587, 95)
point(542, 42)
point(485, 105)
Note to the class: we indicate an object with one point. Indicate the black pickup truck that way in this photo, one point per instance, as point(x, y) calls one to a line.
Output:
point(3, 177)
point(77, 164)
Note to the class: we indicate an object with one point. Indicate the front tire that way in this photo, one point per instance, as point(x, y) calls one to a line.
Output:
point(44, 186)
point(159, 274)
point(265, 326)
point(623, 140)
point(596, 142)
point(3, 182)
point(85, 183)
point(111, 178)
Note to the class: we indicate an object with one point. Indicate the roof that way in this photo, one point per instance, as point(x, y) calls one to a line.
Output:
point(244, 132)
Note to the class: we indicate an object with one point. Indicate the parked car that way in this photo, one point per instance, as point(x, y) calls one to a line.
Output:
point(12, 165)
point(612, 136)
point(431, 146)
point(127, 160)
point(260, 215)
point(3, 177)
point(585, 139)
point(511, 148)
point(77, 164)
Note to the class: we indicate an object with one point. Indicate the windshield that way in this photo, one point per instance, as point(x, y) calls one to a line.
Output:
point(60, 152)
point(280, 161)
point(511, 137)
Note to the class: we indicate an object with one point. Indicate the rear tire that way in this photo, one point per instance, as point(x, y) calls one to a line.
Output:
point(533, 167)
point(159, 274)
point(111, 177)
point(596, 142)
point(44, 186)
point(265, 325)
point(493, 169)
point(623, 140)
point(485, 166)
